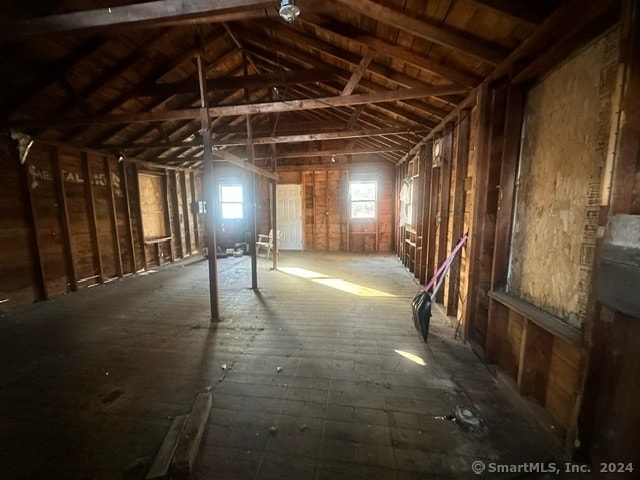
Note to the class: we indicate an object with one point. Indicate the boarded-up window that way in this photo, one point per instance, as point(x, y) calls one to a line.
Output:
point(566, 135)
point(152, 206)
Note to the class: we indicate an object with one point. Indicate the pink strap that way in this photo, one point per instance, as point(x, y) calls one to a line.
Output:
point(448, 260)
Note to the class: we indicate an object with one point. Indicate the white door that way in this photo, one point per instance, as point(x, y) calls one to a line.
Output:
point(289, 212)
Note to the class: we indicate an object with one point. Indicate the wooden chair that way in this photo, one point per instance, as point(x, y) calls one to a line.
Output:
point(266, 241)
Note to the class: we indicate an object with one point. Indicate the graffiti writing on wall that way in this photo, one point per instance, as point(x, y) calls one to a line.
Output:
point(99, 179)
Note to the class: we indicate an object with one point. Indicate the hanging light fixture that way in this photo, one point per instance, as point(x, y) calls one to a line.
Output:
point(288, 10)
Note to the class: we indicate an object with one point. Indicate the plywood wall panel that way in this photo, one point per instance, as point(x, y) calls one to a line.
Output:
point(71, 219)
point(83, 253)
point(103, 212)
point(47, 219)
point(325, 209)
point(564, 150)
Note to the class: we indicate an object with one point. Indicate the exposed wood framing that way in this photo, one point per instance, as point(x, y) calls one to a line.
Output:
point(255, 108)
point(64, 218)
point(506, 197)
point(444, 200)
point(93, 220)
point(458, 198)
point(114, 218)
point(481, 50)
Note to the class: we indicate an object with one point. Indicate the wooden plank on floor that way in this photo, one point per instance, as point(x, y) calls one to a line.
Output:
point(189, 443)
point(161, 463)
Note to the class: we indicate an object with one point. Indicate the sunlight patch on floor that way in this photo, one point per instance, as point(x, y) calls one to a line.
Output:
point(337, 283)
point(412, 357)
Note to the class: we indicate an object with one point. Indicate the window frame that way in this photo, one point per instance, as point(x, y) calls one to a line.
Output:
point(362, 201)
point(233, 203)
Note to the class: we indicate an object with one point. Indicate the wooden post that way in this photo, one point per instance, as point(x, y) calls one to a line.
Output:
point(474, 319)
point(506, 204)
point(93, 220)
point(114, 220)
point(209, 182)
point(457, 230)
point(432, 196)
point(126, 192)
point(195, 217)
point(140, 221)
point(426, 154)
point(186, 222)
point(252, 214)
point(62, 201)
point(33, 224)
point(168, 208)
point(445, 196)
point(274, 221)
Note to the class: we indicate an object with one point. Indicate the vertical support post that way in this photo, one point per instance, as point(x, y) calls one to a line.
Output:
point(114, 220)
point(62, 200)
point(252, 176)
point(445, 197)
point(273, 203)
point(196, 225)
point(168, 213)
point(29, 199)
point(252, 215)
point(140, 221)
point(93, 218)
point(208, 184)
point(186, 223)
point(126, 192)
point(477, 227)
point(462, 159)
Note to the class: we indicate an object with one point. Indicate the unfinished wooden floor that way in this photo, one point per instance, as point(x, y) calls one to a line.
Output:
point(319, 375)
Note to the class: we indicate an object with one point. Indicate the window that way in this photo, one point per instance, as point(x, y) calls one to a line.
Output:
point(363, 196)
point(231, 201)
point(406, 203)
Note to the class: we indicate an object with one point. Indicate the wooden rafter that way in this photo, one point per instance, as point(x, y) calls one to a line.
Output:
point(477, 48)
point(382, 47)
point(255, 108)
point(165, 11)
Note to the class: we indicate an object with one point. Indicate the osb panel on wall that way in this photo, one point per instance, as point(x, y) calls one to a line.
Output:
point(564, 146)
point(152, 195)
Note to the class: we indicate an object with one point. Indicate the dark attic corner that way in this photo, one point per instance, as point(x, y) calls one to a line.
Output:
point(319, 239)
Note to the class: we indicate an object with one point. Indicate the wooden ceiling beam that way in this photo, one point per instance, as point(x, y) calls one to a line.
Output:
point(269, 80)
point(258, 41)
point(526, 11)
point(350, 32)
point(592, 20)
point(475, 47)
point(48, 74)
point(319, 136)
point(248, 109)
point(112, 73)
point(347, 58)
point(326, 153)
point(358, 73)
point(134, 15)
point(153, 77)
point(299, 138)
